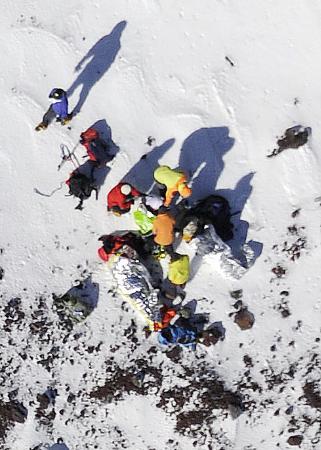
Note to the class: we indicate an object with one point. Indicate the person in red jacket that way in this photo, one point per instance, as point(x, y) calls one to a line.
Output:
point(121, 198)
point(113, 243)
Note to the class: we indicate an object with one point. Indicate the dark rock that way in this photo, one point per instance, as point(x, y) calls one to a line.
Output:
point(279, 271)
point(289, 410)
point(294, 137)
point(237, 294)
point(174, 354)
point(244, 319)
point(247, 361)
point(295, 440)
point(238, 304)
point(296, 213)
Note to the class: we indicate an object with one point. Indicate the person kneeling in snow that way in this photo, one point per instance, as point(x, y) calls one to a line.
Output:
point(178, 276)
point(175, 182)
point(174, 334)
point(121, 198)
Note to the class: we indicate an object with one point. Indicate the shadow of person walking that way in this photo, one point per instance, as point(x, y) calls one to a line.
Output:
point(202, 156)
point(99, 59)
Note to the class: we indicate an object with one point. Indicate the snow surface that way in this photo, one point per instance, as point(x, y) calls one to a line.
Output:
point(215, 82)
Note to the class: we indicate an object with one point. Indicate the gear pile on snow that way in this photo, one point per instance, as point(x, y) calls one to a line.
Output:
point(133, 255)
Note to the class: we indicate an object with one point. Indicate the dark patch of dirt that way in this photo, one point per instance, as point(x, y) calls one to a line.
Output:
point(294, 249)
point(312, 395)
point(45, 412)
point(210, 394)
point(11, 412)
point(1, 273)
point(125, 381)
point(14, 314)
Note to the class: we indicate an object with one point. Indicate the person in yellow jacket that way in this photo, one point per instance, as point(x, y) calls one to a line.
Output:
point(177, 277)
point(179, 269)
point(175, 181)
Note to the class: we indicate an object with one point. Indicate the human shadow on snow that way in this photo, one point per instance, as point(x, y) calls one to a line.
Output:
point(237, 199)
point(98, 60)
point(141, 174)
point(202, 157)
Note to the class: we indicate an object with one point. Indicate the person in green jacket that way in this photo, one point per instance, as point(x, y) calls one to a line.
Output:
point(175, 181)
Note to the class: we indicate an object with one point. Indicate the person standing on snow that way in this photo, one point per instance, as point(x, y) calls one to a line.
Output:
point(175, 181)
point(121, 198)
point(163, 229)
point(57, 110)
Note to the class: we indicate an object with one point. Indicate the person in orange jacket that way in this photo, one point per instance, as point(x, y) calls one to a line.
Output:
point(121, 198)
point(175, 181)
point(163, 229)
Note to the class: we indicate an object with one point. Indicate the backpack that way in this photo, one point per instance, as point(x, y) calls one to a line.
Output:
point(216, 210)
point(80, 186)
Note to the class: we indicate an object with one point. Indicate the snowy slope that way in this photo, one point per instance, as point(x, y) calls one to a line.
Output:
point(215, 83)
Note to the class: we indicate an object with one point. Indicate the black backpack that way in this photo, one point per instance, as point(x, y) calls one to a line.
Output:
point(216, 210)
point(81, 186)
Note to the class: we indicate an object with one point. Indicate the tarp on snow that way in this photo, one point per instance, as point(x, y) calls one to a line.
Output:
point(134, 285)
point(212, 249)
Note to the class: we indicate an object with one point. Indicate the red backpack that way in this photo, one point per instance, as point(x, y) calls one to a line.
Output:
point(89, 135)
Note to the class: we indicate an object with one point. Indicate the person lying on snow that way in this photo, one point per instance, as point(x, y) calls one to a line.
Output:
point(97, 150)
point(214, 210)
point(81, 187)
point(121, 198)
point(163, 229)
point(57, 110)
point(113, 243)
point(175, 181)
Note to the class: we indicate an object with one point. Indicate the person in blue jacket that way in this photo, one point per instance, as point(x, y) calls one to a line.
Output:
point(57, 110)
point(174, 334)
